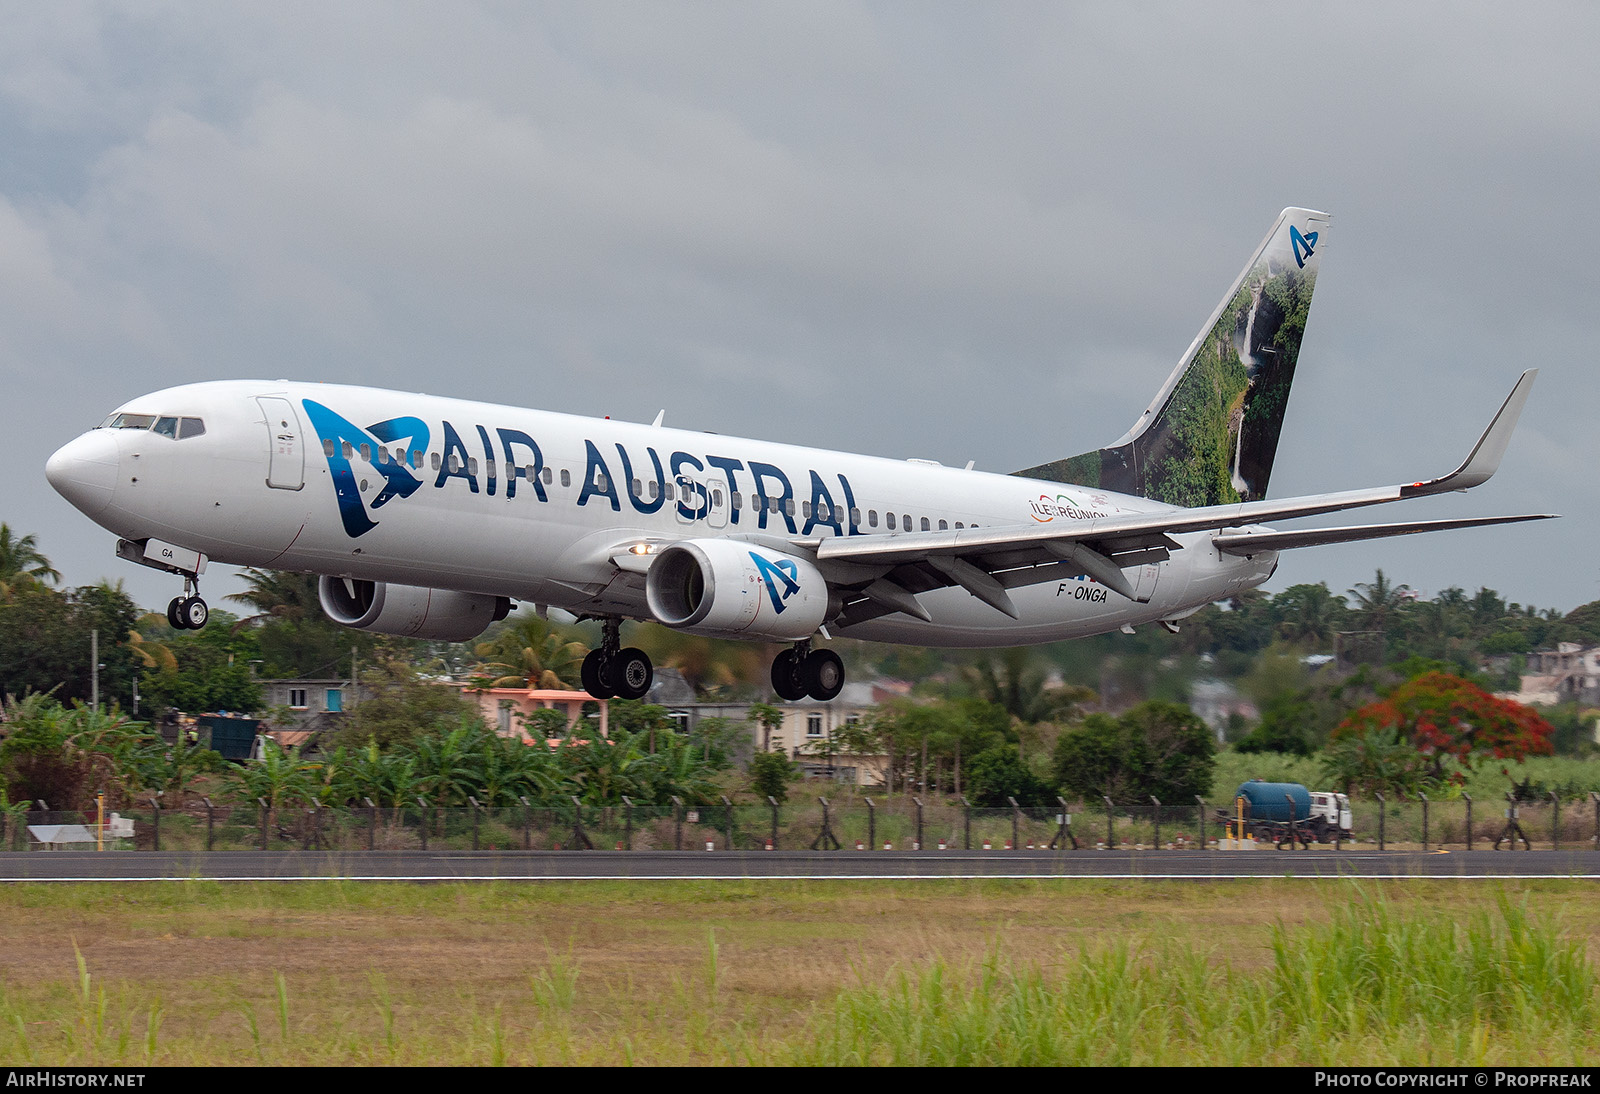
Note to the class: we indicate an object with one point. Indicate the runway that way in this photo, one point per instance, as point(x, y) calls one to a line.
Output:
point(463, 866)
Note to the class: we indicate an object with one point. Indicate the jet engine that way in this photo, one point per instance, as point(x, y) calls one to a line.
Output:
point(728, 588)
point(408, 610)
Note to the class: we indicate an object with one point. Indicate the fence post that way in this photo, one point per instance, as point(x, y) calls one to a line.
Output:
point(918, 802)
point(627, 823)
point(1065, 824)
point(1555, 821)
point(265, 814)
point(872, 823)
point(1016, 817)
point(208, 821)
point(1111, 840)
point(774, 803)
point(316, 826)
point(1156, 802)
point(527, 822)
point(727, 820)
point(1596, 797)
point(1381, 811)
point(473, 804)
point(1468, 798)
point(423, 817)
point(1200, 814)
point(155, 806)
point(580, 841)
point(966, 823)
point(1424, 798)
point(372, 823)
point(825, 836)
point(677, 829)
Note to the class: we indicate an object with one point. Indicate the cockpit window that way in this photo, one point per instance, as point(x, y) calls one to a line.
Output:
point(133, 421)
point(192, 427)
point(167, 427)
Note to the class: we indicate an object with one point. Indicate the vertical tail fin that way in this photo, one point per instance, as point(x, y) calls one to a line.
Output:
point(1210, 435)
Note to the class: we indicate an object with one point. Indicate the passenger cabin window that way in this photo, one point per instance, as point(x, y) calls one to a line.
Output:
point(716, 497)
point(788, 507)
point(327, 447)
point(855, 517)
point(905, 521)
point(191, 427)
point(472, 465)
point(655, 489)
point(366, 451)
point(549, 476)
point(566, 477)
point(805, 510)
point(925, 524)
point(435, 457)
point(960, 525)
point(736, 499)
point(943, 527)
point(889, 517)
point(349, 452)
point(872, 518)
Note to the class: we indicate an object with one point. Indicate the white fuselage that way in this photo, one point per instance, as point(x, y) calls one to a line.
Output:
point(535, 505)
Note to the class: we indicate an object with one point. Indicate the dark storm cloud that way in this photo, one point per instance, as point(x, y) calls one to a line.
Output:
point(832, 224)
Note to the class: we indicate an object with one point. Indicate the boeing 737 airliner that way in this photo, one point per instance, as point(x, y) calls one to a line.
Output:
point(426, 517)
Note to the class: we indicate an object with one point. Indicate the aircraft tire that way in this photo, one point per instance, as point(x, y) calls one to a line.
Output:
point(824, 675)
point(194, 613)
point(591, 676)
point(173, 616)
point(632, 673)
point(787, 679)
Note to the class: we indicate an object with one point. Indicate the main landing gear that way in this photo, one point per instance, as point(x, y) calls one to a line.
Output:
point(613, 673)
point(188, 612)
point(803, 671)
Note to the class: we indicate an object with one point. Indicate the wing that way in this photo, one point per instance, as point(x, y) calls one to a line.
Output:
point(880, 574)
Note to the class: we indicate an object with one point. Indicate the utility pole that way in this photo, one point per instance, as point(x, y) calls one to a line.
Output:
point(94, 669)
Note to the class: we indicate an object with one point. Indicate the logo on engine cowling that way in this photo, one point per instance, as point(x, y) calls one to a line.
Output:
point(343, 439)
point(784, 572)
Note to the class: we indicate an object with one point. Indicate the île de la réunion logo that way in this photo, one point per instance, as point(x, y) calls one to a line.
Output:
point(778, 572)
point(345, 443)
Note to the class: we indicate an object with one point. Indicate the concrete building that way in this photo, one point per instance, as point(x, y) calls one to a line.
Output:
point(1570, 673)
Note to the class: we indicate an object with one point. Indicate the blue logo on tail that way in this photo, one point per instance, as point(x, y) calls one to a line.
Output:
point(1304, 246)
point(783, 572)
point(338, 433)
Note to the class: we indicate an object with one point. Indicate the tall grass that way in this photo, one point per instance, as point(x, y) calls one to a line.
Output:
point(1366, 981)
point(1372, 986)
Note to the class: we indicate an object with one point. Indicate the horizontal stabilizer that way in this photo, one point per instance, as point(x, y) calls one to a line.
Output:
point(1249, 543)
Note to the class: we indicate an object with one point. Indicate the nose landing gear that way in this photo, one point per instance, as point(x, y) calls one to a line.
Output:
point(188, 612)
point(614, 673)
point(803, 671)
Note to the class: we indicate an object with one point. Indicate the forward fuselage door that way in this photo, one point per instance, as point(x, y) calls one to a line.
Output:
point(286, 467)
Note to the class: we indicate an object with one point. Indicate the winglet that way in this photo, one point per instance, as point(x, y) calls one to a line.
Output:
point(1485, 457)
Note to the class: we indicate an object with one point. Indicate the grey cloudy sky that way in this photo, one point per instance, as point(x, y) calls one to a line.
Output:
point(950, 231)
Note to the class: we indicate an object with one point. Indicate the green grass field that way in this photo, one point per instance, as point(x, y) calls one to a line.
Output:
point(1042, 972)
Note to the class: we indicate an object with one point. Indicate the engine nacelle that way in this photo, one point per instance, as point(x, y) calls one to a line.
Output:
point(727, 588)
point(408, 610)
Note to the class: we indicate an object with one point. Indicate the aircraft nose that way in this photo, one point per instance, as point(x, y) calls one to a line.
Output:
point(84, 471)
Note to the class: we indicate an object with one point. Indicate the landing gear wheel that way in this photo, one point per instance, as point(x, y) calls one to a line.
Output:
point(194, 613)
point(590, 674)
point(824, 675)
point(632, 673)
point(174, 617)
point(787, 679)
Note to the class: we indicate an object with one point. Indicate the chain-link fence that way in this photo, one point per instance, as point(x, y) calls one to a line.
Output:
point(899, 823)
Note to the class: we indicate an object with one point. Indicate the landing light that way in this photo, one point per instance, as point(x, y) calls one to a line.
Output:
point(639, 549)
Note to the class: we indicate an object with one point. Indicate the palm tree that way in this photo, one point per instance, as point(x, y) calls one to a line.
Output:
point(1310, 614)
point(21, 562)
point(531, 654)
point(1378, 600)
point(277, 594)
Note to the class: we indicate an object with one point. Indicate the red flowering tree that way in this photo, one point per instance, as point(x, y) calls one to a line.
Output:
point(1442, 718)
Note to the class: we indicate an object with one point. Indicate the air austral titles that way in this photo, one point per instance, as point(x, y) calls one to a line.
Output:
point(427, 517)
